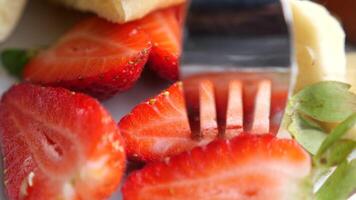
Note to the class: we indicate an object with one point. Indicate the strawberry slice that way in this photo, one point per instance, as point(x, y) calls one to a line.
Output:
point(181, 12)
point(246, 167)
point(96, 57)
point(57, 144)
point(159, 127)
point(164, 31)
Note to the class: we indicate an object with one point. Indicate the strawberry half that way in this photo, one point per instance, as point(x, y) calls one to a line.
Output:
point(246, 167)
point(96, 57)
point(164, 31)
point(181, 12)
point(57, 144)
point(158, 127)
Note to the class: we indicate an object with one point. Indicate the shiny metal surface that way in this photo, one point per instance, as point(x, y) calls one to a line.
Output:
point(253, 40)
point(236, 34)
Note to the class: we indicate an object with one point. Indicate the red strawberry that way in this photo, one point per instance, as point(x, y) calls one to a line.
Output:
point(57, 144)
point(159, 127)
point(164, 31)
point(181, 12)
point(246, 167)
point(96, 57)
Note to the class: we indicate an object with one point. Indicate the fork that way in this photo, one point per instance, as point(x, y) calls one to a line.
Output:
point(235, 82)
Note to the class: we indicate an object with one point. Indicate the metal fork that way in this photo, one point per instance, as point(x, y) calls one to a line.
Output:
point(237, 59)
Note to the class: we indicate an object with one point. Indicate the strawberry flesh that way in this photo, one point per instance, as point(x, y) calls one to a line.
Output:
point(95, 56)
point(246, 167)
point(217, 107)
point(164, 30)
point(158, 127)
point(57, 144)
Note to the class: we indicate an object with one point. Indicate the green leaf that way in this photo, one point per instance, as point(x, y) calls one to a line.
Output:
point(14, 60)
point(338, 153)
point(327, 101)
point(337, 134)
point(308, 133)
point(341, 184)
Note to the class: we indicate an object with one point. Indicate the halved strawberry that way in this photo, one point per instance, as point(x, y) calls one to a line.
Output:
point(164, 31)
point(181, 12)
point(159, 127)
point(57, 144)
point(96, 57)
point(246, 167)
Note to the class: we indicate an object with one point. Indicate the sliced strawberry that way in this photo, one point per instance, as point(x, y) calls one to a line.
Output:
point(181, 12)
point(246, 167)
point(164, 31)
point(159, 127)
point(57, 144)
point(96, 57)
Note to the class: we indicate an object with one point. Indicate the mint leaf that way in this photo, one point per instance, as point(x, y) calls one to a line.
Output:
point(14, 60)
point(341, 184)
point(337, 134)
point(308, 133)
point(327, 101)
point(337, 153)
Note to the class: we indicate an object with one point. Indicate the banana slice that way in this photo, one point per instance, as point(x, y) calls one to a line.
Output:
point(319, 44)
point(120, 11)
point(10, 12)
point(351, 70)
point(351, 75)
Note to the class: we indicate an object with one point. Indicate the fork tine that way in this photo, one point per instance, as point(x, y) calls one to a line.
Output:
point(191, 99)
point(234, 113)
point(246, 104)
point(207, 110)
point(261, 117)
